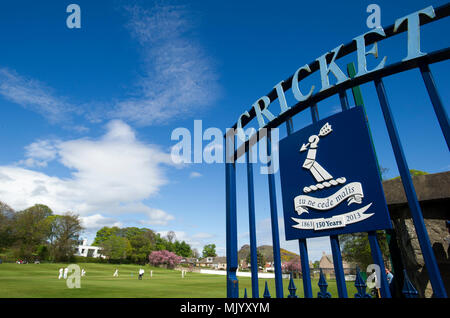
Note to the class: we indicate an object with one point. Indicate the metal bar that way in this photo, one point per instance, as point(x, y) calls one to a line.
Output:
point(306, 274)
point(314, 113)
point(334, 239)
point(439, 109)
point(231, 225)
point(304, 259)
point(378, 259)
point(416, 212)
point(344, 100)
point(252, 226)
point(274, 223)
point(338, 268)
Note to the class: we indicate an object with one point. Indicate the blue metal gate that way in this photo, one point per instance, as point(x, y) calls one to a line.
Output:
point(420, 61)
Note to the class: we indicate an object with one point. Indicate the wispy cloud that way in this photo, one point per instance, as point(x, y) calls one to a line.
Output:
point(34, 95)
point(178, 76)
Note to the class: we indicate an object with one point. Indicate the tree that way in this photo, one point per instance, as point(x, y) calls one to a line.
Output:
point(209, 250)
point(413, 173)
point(105, 233)
point(165, 258)
point(292, 266)
point(116, 247)
point(142, 243)
point(65, 234)
point(7, 215)
point(171, 236)
point(32, 227)
point(182, 249)
point(356, 248)
point(260, 259)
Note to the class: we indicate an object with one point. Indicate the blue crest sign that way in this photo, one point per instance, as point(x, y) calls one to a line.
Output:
point(329, 179)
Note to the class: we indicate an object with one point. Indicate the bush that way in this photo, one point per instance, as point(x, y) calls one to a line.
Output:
point(164, 258)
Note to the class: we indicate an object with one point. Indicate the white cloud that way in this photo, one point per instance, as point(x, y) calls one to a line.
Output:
point(39, 153)
point(97, 221)
point(195, 174)
point(112, 174)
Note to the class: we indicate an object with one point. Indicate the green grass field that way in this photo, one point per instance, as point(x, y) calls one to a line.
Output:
point(41, 281)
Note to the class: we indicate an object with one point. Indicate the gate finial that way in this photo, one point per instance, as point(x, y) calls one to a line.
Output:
point(360, 286)
point(323, 285)
point(266, 292)
point(292, 289)
point(408, 288)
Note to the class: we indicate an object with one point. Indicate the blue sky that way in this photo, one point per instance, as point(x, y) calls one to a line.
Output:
point(87, 114)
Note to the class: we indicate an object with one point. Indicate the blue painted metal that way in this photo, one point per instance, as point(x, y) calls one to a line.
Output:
point(292, 289)
point(252, 226)
point(314, 113)
point(245, 293)
point(439, 109)
point(377, 257)
point(304, 259)
point(231, 235)
point(408, 289)
point(344, 100)
point(306, 274)
point(416, 212)
point(266, 292)
point(361, 286)
point(275, 230)
point(323, 286)
point(338, 268)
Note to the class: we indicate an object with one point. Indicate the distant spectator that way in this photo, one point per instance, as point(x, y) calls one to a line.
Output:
point(389, 276)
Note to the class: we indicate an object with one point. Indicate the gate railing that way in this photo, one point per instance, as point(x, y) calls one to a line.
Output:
point(421, 61)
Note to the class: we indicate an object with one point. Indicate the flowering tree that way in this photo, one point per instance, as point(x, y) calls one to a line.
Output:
point(292, 266)
point(165, 258)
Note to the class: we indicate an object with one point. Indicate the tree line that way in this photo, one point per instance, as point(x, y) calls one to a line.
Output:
point(36, 233)
point(134, 244)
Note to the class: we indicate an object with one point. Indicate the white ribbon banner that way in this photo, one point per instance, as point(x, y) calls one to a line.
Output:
point(335, 221)
point(351, 192)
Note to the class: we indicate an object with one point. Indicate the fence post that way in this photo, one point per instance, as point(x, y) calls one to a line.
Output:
point(338, 268)
point(439, 109)
point(274, 223)
point(231, 220)
point(416, 212)
point(304, 259)
point(251, 214)
point(378, 259)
